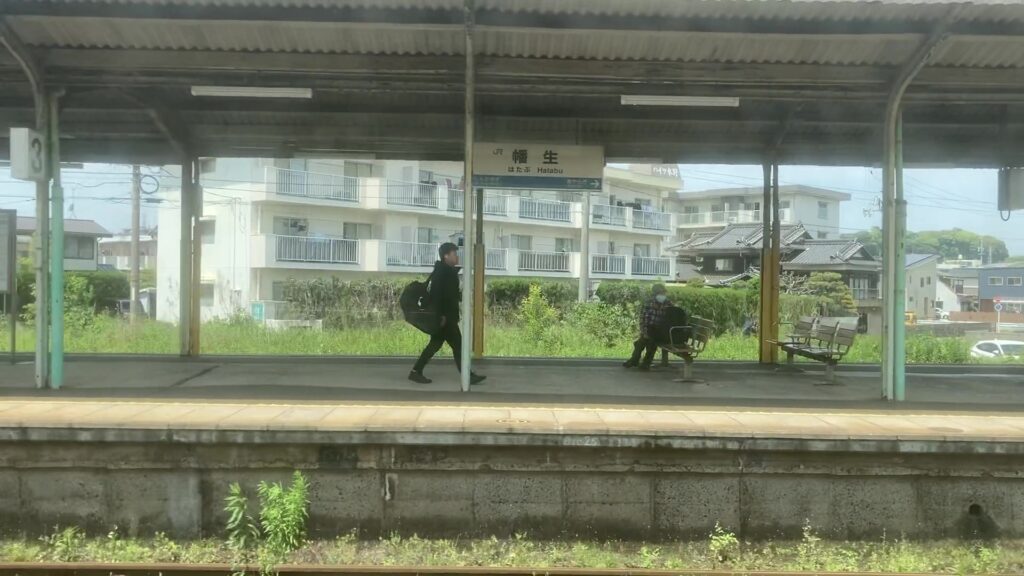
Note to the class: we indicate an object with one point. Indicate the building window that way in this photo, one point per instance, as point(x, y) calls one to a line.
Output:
point(79, 248)
point(206, 295)
point(290, 226)
point(691, 209)
point(929, 280)
point(428, 236)
point(718, 213)
point(522, 242)
point(358, 170)
point(823, 210)
point(564, 245)
point(641, 250)
point(277, 291)
point(356, 231)
point(922, 282)
point(723, 265)
point(784, 205)
point(1013, 281)
point(822, 235)
point(995, 280)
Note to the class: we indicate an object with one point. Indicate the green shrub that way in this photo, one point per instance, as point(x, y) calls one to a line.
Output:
point(608, 325)
point(537, 315)
point(508, 293)
point(345, 303)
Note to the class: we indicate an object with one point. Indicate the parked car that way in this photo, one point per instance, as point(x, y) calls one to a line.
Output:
point(941, 314)
point(998, 349)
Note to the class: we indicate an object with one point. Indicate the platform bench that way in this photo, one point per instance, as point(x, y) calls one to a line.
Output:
point(687, 342)
point(826, 343)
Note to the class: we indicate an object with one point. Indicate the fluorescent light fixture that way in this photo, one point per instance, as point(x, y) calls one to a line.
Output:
point(707, 101)
point(251, 92)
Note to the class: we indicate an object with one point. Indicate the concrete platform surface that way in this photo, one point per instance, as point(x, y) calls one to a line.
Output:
point(569, 383)
point(123, 420)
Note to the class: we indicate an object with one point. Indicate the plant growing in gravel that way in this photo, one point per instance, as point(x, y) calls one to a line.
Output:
point(281, 529)
point(723, 545)
point(66, 545)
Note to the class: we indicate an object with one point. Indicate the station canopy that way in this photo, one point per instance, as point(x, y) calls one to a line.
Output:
point(386, 77)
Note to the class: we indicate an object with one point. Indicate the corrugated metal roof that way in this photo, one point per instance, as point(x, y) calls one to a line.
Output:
point(758, 191)
point(803, 10)
point(309, 37)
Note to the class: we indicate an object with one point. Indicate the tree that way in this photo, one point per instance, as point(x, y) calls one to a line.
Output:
point(952, 244)
point(835, 294)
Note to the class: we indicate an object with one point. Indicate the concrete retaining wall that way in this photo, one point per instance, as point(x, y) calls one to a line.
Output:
point(650, 493)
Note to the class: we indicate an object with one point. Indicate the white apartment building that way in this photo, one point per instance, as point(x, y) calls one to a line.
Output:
point(268, 221)
point(817, 209)
point(116, 252)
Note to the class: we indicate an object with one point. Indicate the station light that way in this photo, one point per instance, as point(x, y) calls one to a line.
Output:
point(251, 92)
point(704, 101)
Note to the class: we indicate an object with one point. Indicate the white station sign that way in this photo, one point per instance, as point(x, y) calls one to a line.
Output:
point(537, 166)
point(28, 155)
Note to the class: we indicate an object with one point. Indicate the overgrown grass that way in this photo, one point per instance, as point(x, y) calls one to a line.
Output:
point(809, 554)
point(503, 339)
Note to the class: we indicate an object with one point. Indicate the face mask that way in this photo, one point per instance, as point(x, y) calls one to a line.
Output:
point(661, 298)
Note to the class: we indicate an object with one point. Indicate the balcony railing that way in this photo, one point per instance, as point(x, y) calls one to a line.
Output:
point(410, 254)
point(645, 220)
point(317, 250)
point(651, 266)
point(497, 259)
point(410, 194)
point(544, 261)
point(609, 215)
point(608, 264)
point(304, 184)
point(724, 217)
point(551, 210)
point(865, 293)
point(494, 204)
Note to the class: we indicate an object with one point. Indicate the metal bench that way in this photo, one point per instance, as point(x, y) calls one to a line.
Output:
point(826, 342)
point(687, 342)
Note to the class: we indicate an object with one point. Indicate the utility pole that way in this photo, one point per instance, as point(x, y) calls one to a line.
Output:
point(136, 212)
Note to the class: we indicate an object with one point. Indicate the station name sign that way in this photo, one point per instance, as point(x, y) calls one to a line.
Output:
point(537, 166)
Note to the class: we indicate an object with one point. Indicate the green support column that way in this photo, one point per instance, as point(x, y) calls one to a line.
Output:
point(56, 253)
point(900, 277)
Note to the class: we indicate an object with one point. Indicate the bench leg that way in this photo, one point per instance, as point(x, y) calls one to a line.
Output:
point(664, 358)
point(686, 372)
point(830, 374)
point(789, 357)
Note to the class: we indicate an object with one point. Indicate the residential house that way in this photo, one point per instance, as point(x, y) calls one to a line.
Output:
point(1003, 284)
point(921, 282)
point(719, 257)
point(116, 252)
point(962, 281)
point(80, 242)
point(816, 209)
point(267, 221)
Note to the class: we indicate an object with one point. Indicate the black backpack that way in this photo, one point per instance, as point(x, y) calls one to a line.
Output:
point(417, 307)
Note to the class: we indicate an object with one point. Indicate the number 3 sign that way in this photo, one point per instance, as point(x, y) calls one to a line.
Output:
point(28, 155)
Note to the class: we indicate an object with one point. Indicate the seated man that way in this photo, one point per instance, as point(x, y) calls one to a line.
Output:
point(652, 330)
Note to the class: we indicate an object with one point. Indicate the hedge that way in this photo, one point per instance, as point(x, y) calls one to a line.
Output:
point(729, 308)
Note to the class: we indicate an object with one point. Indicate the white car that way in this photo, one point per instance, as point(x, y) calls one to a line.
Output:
point(998, 349)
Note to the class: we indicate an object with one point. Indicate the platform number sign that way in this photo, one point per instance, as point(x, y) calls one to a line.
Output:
point(28, 155)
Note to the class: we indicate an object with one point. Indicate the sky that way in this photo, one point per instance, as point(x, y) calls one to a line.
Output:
point(938, 199)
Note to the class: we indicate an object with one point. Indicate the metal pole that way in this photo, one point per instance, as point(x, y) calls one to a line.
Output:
point(584, 293)
point(34, 73)
point(764, 319)
point(136, 215)
point(900, 278)
point(185, 257)
point(195, 322)
point(773, 321)
point(12, 277)
point(56, 252)
point(467, 208)
point(893, 368)
point(480, 257)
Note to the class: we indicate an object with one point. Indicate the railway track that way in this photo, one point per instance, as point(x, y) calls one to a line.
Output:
point(95, 569)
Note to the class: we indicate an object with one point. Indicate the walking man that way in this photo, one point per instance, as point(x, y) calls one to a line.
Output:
point(650, 319)
point(444, 293)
